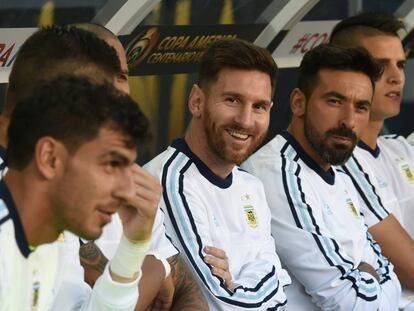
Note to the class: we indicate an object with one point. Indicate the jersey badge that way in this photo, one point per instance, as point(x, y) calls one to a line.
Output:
point(249, 212)
point(407, 173)
point(351, 206)
point(35, 290)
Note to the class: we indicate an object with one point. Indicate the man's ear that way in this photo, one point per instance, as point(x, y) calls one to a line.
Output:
point(196, 101)
point(298, 102)
point(49, 156)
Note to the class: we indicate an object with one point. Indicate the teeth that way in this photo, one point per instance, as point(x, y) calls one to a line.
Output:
point(393, 94)
point(238, 135)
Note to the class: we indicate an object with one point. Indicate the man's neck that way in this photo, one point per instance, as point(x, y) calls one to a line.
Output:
point(34, 212)
point(371, 132)
point(199, 147)
point(4, 125)
point(299, 135)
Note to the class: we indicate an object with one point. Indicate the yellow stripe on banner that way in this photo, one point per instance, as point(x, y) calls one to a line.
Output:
point(145, 89)
point(227, 15)
point(178, 100)
point(46, 16)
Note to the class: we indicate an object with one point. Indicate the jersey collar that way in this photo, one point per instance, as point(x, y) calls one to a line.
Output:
point(374, 152)
point(328, 176)
point(181, 145)
point(21, 240)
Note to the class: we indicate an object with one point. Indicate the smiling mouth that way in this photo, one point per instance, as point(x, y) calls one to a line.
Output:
point(238, 135)
point(393, 95)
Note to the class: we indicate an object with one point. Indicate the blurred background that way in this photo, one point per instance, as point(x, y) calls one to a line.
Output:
point(286, 28)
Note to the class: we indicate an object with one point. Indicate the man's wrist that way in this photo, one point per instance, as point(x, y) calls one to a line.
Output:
point(128, 258)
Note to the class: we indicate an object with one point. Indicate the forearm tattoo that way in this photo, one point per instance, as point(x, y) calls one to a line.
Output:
point(187, 294)
point(91, 257)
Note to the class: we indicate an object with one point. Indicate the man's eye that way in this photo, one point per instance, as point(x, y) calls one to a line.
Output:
point(260, 107)
point(334, 101)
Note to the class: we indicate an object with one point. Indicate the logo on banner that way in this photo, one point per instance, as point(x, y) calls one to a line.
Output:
point(141, 46)
point(308, 41)
point(5, 53)
point(166, 49)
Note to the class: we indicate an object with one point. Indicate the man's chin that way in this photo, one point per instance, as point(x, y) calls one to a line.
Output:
point(91, 235)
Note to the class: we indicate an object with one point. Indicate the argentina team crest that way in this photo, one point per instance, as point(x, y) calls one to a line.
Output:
point(352, 207)
point(249, 212)
point(407, 173)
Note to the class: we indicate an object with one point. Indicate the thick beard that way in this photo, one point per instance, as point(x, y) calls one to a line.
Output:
point(218, 146)
point(336, 155)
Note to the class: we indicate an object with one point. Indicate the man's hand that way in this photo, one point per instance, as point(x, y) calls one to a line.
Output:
point(365, 267)
point(220, 266)
point(138, 214)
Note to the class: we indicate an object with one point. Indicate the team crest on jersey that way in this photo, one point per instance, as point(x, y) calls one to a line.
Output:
point(249, 212)
point(407, 173)
point(351, 206)
point(35, 295)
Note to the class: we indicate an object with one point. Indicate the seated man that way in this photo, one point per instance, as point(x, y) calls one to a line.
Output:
point(177, 288)
point(207, 199)
point(72, 146)
point(320, 235)
point(85, 54)
point(382, 167)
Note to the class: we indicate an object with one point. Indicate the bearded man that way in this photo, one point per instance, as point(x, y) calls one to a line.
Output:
point(320, 234)
point(207, 200)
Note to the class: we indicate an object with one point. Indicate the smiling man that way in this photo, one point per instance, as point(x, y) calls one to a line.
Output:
point(207, 199)
point(320, 235)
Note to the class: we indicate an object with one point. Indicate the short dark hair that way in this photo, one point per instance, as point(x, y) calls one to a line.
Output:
point(235, 53)
point(57, 50)
point(99, 30)
point(72, 110)
point(349, 31)
point(327, 56)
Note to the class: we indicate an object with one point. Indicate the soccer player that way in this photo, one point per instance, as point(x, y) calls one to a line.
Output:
point(382, 167)
point(178, 288)
point(71, 151)
point(85, 54)
point(208, 200)
point(320, 235)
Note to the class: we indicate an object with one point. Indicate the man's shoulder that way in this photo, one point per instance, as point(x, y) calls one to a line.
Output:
point(393, 140)
point(267, 156)
point(155, 165)
point(396, 146)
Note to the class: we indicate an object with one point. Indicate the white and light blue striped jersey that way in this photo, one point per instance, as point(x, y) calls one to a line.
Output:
point(377, 197)
point(27, 278)
point(232, 214)
point(410, 139)
point(50, 277)
point(384, 178)
point(320, 235)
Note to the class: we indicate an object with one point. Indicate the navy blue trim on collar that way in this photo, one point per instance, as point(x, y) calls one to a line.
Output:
point(2, 157)
point(374, 152)
point(181, 145)
point(21, 240)
point(328, 176)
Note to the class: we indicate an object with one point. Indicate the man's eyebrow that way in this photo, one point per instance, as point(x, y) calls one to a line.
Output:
point(335, 94)
point(116, 155)
point(238, 95)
